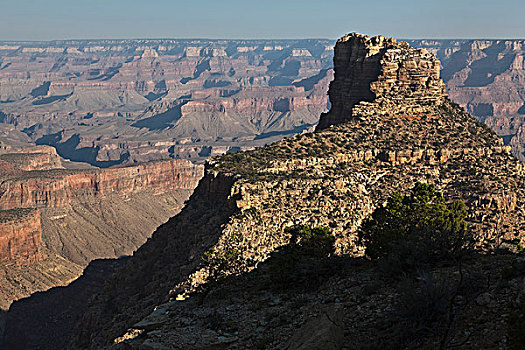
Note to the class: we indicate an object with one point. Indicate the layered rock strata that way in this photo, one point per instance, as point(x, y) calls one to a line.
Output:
point(334, 177)
point(58, 188)
point(484, 76)
point(57, 218)
point(20, 236)
point(112, 102)
point(200, 98)
point(381, 76)
point(33, 158)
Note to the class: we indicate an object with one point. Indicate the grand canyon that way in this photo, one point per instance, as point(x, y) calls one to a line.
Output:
point(111, 102)
point(127, 166)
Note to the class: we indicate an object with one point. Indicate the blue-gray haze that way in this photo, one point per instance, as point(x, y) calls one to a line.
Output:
point(70, 19)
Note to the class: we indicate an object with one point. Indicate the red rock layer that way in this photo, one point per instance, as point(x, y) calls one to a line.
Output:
point(34, 158)
point(57, 188)
point(21, 236)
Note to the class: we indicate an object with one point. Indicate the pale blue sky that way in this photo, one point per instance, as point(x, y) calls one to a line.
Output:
point(78, 19)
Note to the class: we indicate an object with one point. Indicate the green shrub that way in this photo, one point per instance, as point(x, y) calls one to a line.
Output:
point(317, 241)
point(416, 229)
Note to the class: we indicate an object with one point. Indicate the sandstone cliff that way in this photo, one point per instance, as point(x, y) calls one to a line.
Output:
point(20, 236)
point(33, 158)
point(378, 142)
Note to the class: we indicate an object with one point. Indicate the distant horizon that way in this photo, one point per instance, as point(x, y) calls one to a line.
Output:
point(246, 39)
point(61, 20)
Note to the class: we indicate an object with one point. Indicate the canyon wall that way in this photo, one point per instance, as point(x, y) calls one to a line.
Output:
point(20, 236)
point(53, 217)
point(485, 76)
point(58, 188)
point(109, 102)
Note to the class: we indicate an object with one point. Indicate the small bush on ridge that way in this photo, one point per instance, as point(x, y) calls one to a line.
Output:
point(419, 228)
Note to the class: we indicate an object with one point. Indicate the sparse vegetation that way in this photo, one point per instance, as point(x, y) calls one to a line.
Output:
point(423, 306)
point(304, 261)
point(307, 241)
point(415, 229)
point(226, 260)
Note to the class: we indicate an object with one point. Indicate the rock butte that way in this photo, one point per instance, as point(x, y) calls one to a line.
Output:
point(334, 177)
point(381, 76)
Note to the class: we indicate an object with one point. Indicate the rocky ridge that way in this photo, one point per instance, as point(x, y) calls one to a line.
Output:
point(334, 177)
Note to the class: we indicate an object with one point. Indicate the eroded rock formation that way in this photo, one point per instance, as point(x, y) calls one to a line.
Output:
point(485, 76)
point(112, 102)
point(381, 76)
point(334, 177)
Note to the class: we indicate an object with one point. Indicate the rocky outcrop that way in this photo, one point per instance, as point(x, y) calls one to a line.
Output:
point(487, 78)
point(334, 177)
point(378, 76)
